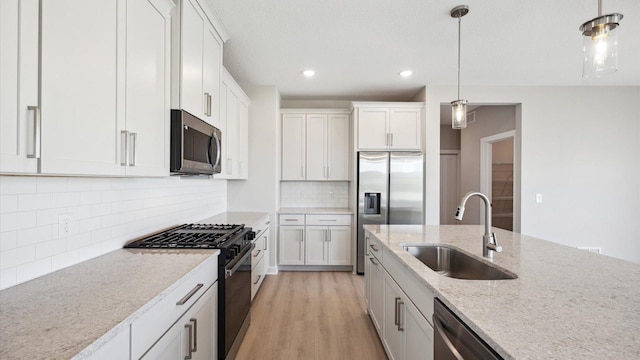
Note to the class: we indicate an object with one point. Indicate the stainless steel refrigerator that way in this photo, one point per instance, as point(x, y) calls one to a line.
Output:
point(390, 191)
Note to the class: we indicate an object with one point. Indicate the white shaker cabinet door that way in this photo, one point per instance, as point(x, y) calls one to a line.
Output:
point(293, 146)
point(316, 148)
point(372, 128)
point(212, 63)
point(338, 136)
point(418, 334)
point(404, 129)
point(79, 79)
point(243, 140)
point(316, 244)
point(339, 245)
point(18, 85)
point(230, 139)
point(291, 245)
point(192, 98)
point(147, 89)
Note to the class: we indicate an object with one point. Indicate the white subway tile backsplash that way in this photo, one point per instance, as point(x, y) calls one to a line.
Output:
point(105, 214)
point(314, 194)
point(33, 269)
point(17, 185)
point(52, 184)
point(17, 256)
point(8, 203)
point(34, 235)
point(17, 221)
point(8, 240)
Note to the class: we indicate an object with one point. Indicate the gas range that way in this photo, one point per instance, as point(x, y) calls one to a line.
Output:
point(232, 240)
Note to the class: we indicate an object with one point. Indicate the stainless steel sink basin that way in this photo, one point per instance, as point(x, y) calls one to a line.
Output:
point(453, 263)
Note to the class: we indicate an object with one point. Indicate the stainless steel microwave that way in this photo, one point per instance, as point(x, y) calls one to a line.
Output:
point(195, 145)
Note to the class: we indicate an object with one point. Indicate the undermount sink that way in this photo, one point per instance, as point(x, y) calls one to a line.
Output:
point(454, 263)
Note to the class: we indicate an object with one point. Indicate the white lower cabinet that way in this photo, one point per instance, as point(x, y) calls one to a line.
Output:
point(405, 331)
point(193, 336)
point(259, 255)
point(317, 243)
point(291, 245)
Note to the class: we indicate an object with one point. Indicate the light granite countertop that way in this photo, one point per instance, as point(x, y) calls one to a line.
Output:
point(565, 304)
point(319, 211)
point(72, 312)
point(235, 218)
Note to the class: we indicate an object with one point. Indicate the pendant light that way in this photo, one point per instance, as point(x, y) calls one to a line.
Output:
point(459, 107)
point(600, 40)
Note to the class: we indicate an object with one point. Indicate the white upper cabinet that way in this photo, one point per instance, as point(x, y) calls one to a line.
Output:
point(147, 88)
point(293, 146)
point(234, 114)
point(323, 152)
point(197, 62)
point(388, 126)
point(79, 88)
point(19, 86)
point(104, 88)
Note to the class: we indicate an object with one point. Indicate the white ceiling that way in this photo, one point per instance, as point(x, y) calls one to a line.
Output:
point(358, 47)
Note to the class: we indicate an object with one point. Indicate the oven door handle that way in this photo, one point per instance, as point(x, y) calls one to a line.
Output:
point(229, 272)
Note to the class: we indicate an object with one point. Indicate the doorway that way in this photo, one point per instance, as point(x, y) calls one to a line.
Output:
point(449, 185)
point(498, 164)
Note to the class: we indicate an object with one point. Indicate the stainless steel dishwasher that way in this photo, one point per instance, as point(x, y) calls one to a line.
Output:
point(454, 340)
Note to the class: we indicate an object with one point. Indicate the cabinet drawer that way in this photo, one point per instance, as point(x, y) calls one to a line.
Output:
point(328, 220)
point(291, 219)
point(261, 226)
point(153, 323)
point(257, 276)
point(374, 247)
point(258, 251)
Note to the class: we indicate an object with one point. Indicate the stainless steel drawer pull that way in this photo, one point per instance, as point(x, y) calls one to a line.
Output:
point(124, 138)
point(375, 248)
point(37, 125)
point(328, 219)
point(373, 261)
point(195, 334)
point(190, 327)
point(258, 280)
point(258, 253)
point(265, 243)
point(400, 312)
point(189, 295)
point(132, 155)
point(396, 321)
point(290, 219)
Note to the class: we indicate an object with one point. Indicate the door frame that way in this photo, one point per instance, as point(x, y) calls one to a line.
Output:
point(485, 171)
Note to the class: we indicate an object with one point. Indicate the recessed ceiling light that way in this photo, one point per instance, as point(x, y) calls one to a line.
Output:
point(309, 73)
point(406, 73)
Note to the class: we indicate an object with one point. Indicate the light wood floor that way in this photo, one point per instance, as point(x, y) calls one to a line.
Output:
point(311, 315)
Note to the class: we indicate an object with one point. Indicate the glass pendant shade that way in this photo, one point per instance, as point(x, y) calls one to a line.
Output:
point(459, 114)
point(600, 45)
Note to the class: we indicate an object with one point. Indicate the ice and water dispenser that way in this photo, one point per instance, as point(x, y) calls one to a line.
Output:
point(372, 203)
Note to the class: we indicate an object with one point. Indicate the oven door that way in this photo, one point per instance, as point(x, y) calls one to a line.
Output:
point(237, 303)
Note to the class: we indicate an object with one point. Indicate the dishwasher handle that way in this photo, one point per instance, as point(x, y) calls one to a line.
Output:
point(440, 333)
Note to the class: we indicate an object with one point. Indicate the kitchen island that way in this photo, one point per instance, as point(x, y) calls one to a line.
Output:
point(565, 304)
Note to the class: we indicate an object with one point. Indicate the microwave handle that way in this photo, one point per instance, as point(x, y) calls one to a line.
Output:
point(218, 149)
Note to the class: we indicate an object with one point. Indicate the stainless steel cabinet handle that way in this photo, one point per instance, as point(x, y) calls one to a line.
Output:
point(124, 138)
point(373, 261)
point(189, 295)
point(400, 317)
point(258, 280)
point(386, 139)
point(326, 235)
point(265, 243)
point(132, 154)
point(207, 106)
point(329, 232)
point(301, 235)
point(267, 223)
point(190, 327)
point(391, 139)
point(37, 130)
point(328, 220)
point(258, 253)
point(195, 334)
point(395, 314)
point(442, 335)
point(290, 219)
point(373, 247)
point(328, 172)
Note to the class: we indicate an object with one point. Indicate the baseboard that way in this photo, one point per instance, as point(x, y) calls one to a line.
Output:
point(315, 268)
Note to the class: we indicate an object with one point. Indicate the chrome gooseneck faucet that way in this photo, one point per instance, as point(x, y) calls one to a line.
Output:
point(489, 244)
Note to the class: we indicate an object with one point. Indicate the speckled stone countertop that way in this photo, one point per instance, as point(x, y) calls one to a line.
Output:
point(235, 218)
point(565, 304)
point(319, 211)
point(72, 312)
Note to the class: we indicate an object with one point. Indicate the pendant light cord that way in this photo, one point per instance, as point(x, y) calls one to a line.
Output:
point(459, 22)
point(599, 8)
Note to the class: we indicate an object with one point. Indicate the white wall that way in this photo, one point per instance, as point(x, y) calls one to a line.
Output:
point(261, 192)
point(106, 213)
point(580, 148)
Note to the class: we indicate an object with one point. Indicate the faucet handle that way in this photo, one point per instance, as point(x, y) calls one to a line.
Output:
point(494, 247)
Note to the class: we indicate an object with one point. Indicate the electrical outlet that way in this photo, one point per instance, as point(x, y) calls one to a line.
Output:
point(538, 198)
point(64, 225)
